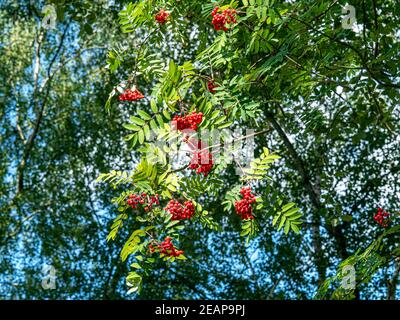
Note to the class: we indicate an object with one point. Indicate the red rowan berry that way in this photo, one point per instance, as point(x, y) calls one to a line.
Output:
point(202, 162)
point(211, 86)
point(220, 20)
point(146, 201)
point(179, 211)
point(162, 16)
point(166, 247)
point(130, 95)
point(382, 217)
point(191, 121)
point(244, 207)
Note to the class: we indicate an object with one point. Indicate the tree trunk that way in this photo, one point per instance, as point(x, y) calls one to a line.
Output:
point(392, 284)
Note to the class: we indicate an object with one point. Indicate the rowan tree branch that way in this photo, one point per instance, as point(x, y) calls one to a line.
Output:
point(335, 231)
point(300, 166)
point(297, 161)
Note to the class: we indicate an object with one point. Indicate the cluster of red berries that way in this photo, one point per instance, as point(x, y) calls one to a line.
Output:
point(167, 247)
point(244, 207)
point(211, 86)
point(144, 200)
point(202, 162)
point(191, 121)
point(130, 95)
point(382, 217)
point(179, 211)
point(220, 20)
point(162, 16)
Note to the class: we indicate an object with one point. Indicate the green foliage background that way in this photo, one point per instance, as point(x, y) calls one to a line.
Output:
point(329, 98)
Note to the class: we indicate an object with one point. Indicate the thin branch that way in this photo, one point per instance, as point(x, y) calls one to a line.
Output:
point(180, 169)
point(253, 274)
point(298, 162)
point(392, 284)
point(355, 50)
point(20, 133)
point(376, 50)
point(36, 69)
point(39, 110)
point(272, 290)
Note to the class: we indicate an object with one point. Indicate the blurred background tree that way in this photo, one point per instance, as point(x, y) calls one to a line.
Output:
point(339, 142)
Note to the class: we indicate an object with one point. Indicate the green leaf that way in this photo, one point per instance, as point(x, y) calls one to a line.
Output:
point(214, 114)
point(288, 206)
point(144, 115)
point(153, 106)
point(160, 120)
point(347, 218)
point(131, 126)
point(225, 125)
point(275, 220)
point(283, 220)
point(153, 125)
point(219, 120)
point(172, 223)
point(166, 115)
point(136, 265)
point(141, 136)
point(294, 228)
point(287, 227)
point(291, 212)
point(137, 120)
point(147, 132)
